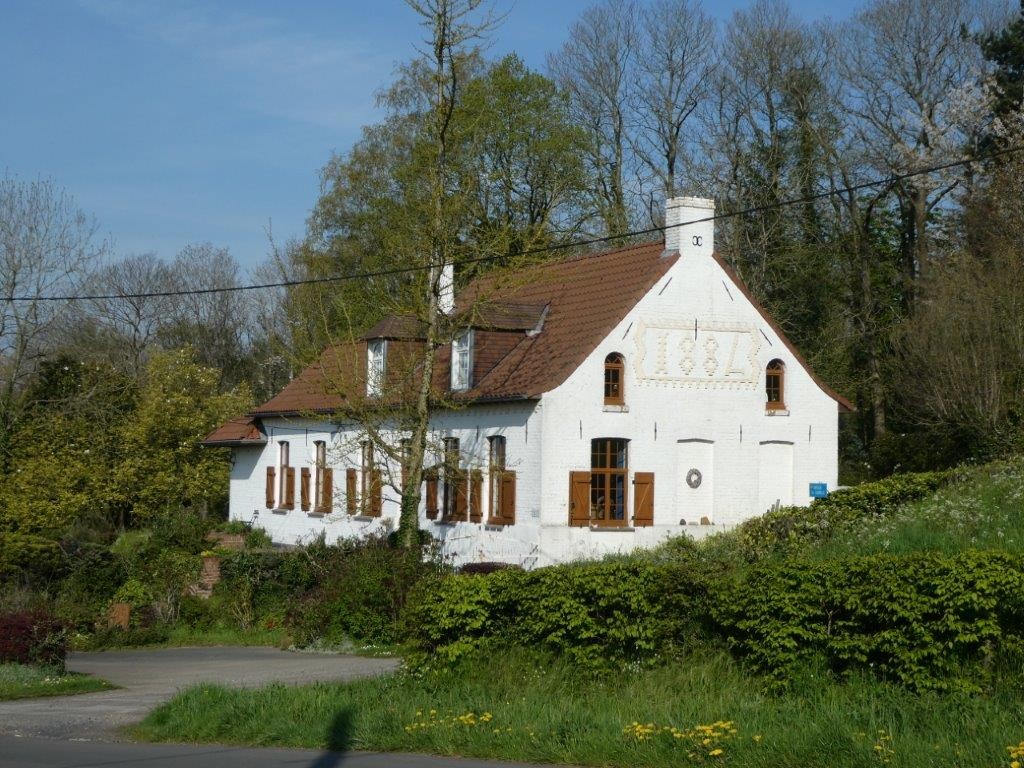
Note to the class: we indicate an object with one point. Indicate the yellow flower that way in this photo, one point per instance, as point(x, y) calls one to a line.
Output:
point(1015, 764)
point(715, 752)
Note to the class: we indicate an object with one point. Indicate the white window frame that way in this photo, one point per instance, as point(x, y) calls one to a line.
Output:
point(462, 362)
point(376, 366)
point(283, 457)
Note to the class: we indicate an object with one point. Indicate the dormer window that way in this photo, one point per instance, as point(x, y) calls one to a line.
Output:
point(614, 368)
point(462, 361)
point(774, 385)
point(376, 362)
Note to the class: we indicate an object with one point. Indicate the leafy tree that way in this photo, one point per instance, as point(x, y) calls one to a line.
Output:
point(162, 466)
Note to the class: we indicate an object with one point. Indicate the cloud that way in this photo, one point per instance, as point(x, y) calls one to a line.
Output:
point(271, 66)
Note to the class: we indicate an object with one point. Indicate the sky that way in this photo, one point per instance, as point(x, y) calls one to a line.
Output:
point(190, 121)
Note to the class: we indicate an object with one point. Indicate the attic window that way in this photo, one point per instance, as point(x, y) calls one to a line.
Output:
point(376, 361)
point(774, 385)
point(462, 361)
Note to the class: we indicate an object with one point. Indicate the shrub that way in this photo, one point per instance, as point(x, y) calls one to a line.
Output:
point(33, 637)
point(592, 613)
point(95, 574)
point(923, 620)
point(361, 594)
point(29, 558)
point(791, 528)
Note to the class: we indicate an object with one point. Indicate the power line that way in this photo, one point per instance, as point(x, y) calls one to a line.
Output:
point(886, 181)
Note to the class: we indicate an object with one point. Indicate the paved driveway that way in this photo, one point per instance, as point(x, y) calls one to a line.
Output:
point(148, 677)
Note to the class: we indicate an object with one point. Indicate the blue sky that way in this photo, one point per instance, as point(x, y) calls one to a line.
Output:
point(184, 121)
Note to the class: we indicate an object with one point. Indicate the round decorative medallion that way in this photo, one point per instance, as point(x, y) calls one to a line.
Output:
point(693, 478)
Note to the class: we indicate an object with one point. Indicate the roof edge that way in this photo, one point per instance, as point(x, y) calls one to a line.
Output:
point(844, 404)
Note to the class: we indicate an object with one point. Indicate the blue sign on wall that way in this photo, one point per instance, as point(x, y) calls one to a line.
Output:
point(819, 490)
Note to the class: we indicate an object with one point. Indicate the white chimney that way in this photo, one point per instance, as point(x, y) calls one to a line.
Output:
point(446, 289)
point(697, 238)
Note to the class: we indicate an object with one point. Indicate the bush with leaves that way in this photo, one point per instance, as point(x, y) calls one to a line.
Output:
point(614, 612)
point(926, 621)
point(361, 592)
point(33, 637)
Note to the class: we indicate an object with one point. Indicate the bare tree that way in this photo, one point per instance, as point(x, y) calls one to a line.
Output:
point(123, 327)
point(675, 57)
point(912, 88)
point(595, 68)
point(47, 246)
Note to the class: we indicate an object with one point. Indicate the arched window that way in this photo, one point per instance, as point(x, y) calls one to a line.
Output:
point(609, 471)
point(775, 385)
point(614, 370)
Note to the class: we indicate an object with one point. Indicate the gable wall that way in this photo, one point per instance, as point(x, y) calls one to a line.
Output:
point(717, 412)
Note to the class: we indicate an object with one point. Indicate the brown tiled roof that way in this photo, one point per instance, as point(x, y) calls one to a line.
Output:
point(574, 303)
point(240, 431)
point(396, 327)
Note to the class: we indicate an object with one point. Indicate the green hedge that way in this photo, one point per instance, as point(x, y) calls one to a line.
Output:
point(787, 529)
point(926, 621)
point(594, 613)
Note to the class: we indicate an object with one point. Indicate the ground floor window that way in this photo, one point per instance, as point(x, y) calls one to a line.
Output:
point(609, 471)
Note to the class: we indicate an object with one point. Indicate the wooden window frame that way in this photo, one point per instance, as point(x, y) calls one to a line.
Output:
point(614, 369)
point(451, 477)
point(498, 478)
point(775, 369)
point(604, 477)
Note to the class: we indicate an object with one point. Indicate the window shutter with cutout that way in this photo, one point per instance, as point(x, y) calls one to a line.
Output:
point(643, 499)
point(579, 499)
point(289, 487)
point(431, 493)
point(326, 501)
point(459, 478)
point(508, 498)
point(304, 487)
point(476, 486)
point(271, 477)
point(376, 493)
point(351, 502)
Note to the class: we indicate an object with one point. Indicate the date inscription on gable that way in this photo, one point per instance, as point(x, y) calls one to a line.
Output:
point(697, 352)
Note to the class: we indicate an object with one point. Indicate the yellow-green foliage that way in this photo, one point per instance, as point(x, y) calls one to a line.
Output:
point(162, 465)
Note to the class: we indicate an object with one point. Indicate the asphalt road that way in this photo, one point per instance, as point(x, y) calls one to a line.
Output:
point(51, 753)
point(149, 677)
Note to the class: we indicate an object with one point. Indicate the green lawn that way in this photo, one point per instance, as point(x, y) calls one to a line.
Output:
point(180, 636)
point(702, 711)
point(985, 511)
point(18, 681)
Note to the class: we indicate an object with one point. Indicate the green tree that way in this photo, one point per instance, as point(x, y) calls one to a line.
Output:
point(162, 466)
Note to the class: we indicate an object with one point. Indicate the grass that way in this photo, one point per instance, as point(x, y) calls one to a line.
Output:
point(19, 681)
point(984, 511)
point(517, 709)
point(180, 636)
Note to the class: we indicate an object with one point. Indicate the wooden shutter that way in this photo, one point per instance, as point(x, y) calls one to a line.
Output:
point(326, 501)
point(431, 493)
point(579, 498)
point(476, 486)
point(508, 498)
point(271, 477)
point(351, 503)
point(643, 498)
point(461, 511)
point(376, 493)
point(304, 487)
point(289, 487)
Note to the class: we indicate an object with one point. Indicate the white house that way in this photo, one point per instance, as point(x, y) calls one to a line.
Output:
point(609, 401)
